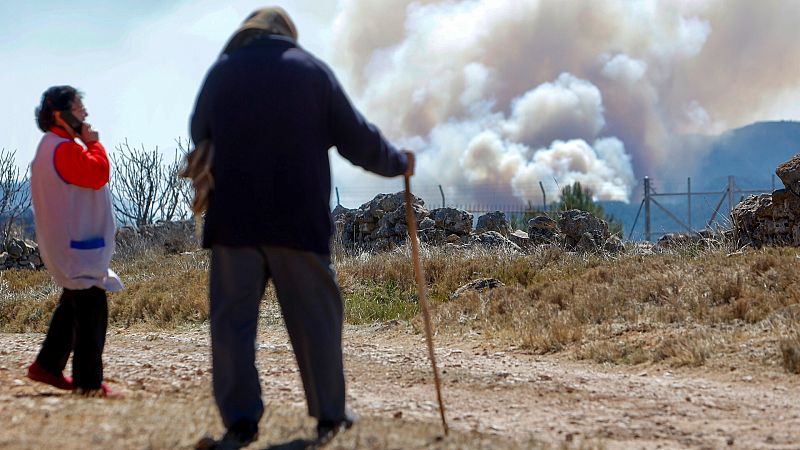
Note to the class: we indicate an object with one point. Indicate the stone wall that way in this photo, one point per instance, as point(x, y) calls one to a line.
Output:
point(20, 254)
point(771, 219)
point(380, 225)
point(173, 237)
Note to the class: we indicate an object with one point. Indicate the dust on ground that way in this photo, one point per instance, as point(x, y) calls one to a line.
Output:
point(495, 397)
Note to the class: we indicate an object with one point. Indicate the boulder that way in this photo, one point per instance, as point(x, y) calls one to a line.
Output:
point(543, 230)
point(789, 173)
point(493, 239)
point(452, 220)
point(15, 248)
point(520, 238)
point(493, 221)
point(583, 231)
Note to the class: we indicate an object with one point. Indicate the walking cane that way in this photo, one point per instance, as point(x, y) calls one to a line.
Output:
point(421, 293)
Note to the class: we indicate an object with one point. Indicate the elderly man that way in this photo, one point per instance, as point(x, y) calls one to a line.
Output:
point(272, 111)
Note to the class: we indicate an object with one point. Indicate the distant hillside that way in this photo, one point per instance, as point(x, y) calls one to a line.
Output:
point(750, 153)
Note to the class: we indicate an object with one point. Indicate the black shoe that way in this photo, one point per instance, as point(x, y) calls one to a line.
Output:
point(240, 434)
point(328, 429)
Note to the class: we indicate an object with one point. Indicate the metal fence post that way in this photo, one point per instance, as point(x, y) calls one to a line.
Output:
point(689, 199)
point(338, 203)
point(731, 185)
point(647, 232)
point(544, 197)
point(442, 193)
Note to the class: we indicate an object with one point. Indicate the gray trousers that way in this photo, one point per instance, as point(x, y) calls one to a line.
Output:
point(312, 310)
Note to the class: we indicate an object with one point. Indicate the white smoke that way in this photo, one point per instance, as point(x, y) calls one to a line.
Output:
point(508, 93)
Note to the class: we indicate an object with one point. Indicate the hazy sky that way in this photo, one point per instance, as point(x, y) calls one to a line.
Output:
point(139, 63)
point(489, 92)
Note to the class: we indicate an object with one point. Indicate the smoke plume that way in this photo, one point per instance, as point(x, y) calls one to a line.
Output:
point(508, 93)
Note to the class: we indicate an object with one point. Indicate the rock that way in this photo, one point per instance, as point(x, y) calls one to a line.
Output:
point(543, 230)
point(15, 248)
point(28, 247)
point(367, 227)
point(432, 236)
point(583, 230)
point(614, 245)
point(493, 221)
point(426, 224)
point(671, 241)
point(379, 224)
point(789, 173)
point(766, 219)
point(481, 284)
point(586, 243)
point(493, 239)
point(520, 238)
point(3, 258)
point(384, 203)
point(36, 260)
point(452, 221)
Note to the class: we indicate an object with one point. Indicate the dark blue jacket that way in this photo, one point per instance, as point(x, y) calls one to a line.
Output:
point(273, 111)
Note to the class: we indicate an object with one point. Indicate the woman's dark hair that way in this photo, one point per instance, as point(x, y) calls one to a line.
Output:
point(56, 98)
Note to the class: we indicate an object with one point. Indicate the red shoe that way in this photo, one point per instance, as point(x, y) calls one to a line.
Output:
point(37, 373)
point(103, 391)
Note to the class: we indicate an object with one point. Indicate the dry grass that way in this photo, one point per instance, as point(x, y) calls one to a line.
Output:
point(161, 291)
point(680, 308)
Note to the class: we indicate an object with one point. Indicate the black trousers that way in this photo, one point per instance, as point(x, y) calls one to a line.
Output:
point(78, 326)
point(312, 310)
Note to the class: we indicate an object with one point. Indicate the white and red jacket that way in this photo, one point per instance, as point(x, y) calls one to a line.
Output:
point(72, 209)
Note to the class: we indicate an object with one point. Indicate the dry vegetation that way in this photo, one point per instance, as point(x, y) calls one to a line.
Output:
point(683, 308)
point(706, 308)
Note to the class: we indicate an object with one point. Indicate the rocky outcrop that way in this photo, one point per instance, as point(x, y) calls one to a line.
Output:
point(771, 219)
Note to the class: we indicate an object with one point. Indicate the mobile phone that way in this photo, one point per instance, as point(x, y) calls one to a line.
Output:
point(72, 121)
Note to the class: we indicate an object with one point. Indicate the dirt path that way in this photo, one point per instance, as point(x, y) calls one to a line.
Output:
point(489, 391)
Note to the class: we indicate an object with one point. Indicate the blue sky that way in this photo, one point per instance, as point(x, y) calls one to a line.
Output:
point(139, 63)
